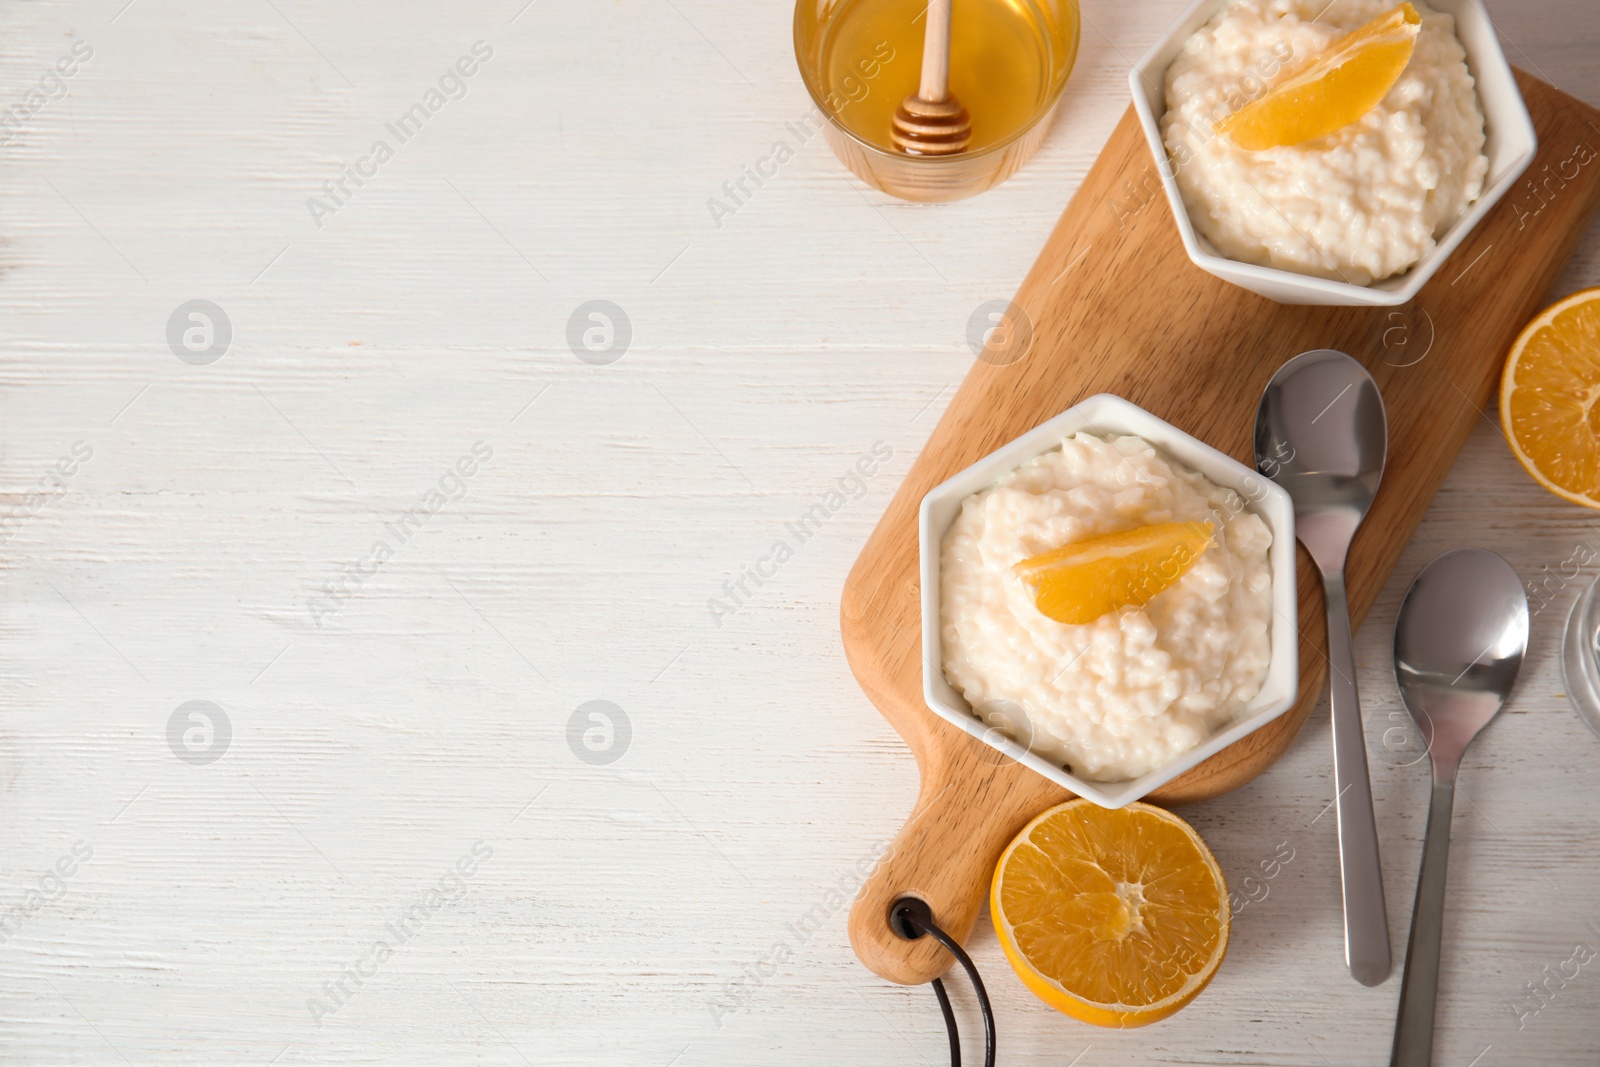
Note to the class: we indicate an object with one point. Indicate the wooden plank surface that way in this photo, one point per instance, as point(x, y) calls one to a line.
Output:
point(1114, 305)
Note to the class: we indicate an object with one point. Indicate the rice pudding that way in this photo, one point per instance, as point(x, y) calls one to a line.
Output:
point(1134, 689)
point(1359, 205)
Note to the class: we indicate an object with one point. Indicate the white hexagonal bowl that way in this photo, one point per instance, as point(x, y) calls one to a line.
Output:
point(1106, 414)
point(1510, 145)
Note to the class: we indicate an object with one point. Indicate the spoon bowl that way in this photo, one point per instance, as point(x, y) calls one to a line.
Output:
point(1322, 434)
point(1458, 645)
point(1459, 641)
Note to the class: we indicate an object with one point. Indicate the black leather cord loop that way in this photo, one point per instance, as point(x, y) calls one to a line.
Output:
point(911, 918)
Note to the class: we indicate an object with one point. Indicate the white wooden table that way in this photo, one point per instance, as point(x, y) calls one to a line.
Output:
point(388, 753)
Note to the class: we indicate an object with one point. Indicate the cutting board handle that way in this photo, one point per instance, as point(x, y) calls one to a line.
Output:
point(945, 855)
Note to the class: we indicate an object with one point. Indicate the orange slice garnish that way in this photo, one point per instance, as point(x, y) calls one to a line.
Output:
point(1335, 89)
point(1079, 582)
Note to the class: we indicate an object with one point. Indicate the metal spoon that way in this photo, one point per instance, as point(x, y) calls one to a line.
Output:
point(1458, 643)
point(1322, 434)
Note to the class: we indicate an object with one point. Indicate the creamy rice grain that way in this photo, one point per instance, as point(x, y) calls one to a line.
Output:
point(1138, 687)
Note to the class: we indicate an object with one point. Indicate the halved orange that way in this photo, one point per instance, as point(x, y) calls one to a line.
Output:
point(1336, 88)
point(1081, 581)
point(1550, 398)
point(1115, 917)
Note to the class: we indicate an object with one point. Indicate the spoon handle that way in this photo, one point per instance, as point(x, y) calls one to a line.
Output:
point(1366, 922)
point(1413, 1033)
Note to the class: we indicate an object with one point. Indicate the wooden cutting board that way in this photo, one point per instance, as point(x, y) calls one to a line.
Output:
point(1116, 307)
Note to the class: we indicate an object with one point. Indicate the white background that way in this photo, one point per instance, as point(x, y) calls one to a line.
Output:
point(431, 711)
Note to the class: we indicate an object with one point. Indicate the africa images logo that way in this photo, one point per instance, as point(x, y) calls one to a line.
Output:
point(851, 486)
point(452, 486)
point(452, 85)
point(736, 192)
point(446, 891)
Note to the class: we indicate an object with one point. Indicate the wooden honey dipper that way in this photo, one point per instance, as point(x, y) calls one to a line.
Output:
point(932, 122)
